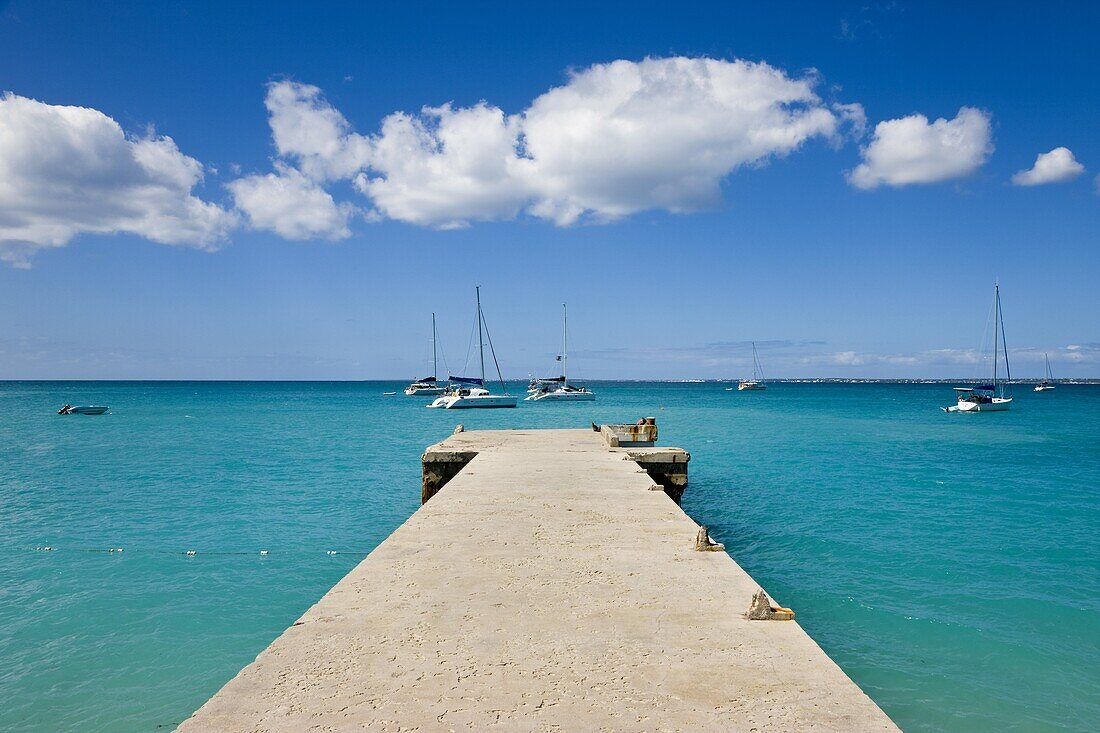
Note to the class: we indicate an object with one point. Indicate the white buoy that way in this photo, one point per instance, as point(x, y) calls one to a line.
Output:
point(263, 553)
point(331, 552)
point(190, 553)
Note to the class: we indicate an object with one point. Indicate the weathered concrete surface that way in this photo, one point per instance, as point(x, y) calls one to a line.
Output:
point(545, 587)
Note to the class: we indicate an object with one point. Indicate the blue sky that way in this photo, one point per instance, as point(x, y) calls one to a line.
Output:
point(734, 194)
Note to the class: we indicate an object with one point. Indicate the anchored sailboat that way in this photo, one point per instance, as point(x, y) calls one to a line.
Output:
point(475, 394)
point(988, 397)
point(559, 389)
point(1048, 383)
point(757, 381)
point(428, 385)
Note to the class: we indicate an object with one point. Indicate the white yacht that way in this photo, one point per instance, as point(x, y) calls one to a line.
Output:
point(757, 381)
point(558, 388)
point(470, 392)
point(428, 386)
point(988, 397)
point(1048, 382)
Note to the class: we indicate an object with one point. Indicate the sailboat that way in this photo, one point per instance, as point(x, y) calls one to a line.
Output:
point(988, 397)
point(757, 381)
point(1048, 382)
point(428, 386)
point(470, 392)
point(559, 389)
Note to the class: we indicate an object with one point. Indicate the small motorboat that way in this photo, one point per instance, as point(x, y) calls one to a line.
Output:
point(83, 410)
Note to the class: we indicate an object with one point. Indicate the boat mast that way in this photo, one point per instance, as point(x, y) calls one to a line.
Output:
point(435, 352)
point(1004, 342)
point(480, 337)
point(996, 321)
point(565, 347)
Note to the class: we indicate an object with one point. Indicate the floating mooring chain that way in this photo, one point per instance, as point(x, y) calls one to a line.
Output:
point(193, 553)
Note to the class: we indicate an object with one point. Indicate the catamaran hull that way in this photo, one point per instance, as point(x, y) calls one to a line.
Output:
point(999, 404)
point(423, 391)
point(475, 401)
point(747, 387)
point(564, 396)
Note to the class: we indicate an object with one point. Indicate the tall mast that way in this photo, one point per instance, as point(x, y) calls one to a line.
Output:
point(755, 363)
point(435, 352)
point(565, 346)
point(996, 334)
point(480, 338)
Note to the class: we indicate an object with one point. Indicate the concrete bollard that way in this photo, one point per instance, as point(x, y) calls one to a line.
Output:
point(703, 542)
point(761, 609)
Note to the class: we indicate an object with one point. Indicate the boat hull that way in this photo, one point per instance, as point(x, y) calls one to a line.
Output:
point(86, 410)
point(1043, 388)
point(561, 396)
point(999, 404)
point(750, 387)
point(451, 402)
point(423, 391)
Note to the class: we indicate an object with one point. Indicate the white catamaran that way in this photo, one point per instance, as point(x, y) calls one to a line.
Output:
point(559, 388)
point(757, 381)
point(470, 392)
point(428, 385)
point(988, 397)
point(1048, 382)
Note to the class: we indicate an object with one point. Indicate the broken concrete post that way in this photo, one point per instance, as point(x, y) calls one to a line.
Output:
point(440, 467)
point(703, 542)
point(761, 609)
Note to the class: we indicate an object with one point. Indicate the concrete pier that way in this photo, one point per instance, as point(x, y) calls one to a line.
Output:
point(547, 583)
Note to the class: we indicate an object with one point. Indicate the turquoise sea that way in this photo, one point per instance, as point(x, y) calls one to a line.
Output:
point(949, 563)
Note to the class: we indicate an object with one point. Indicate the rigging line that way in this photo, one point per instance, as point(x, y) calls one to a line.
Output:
point(442, 358)
point(1008, 369)
point(978, 370)
point(469, 347)
point(493, 352)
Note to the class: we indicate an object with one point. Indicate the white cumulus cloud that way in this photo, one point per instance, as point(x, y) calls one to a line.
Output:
point(67, 170)
point(913, 150)
point(291, 204)
point(624, 137)
point(309, 130)
point(1057, 166)
point(615, 139)
point(447, 166)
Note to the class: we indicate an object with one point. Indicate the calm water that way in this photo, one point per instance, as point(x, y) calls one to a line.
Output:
point(949, 563)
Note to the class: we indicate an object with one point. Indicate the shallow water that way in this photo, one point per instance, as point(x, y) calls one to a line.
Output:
point(949, 563)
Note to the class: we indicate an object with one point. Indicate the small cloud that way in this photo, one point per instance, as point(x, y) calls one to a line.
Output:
point(292, 205)
point(913, 150)
point(1057, 166)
